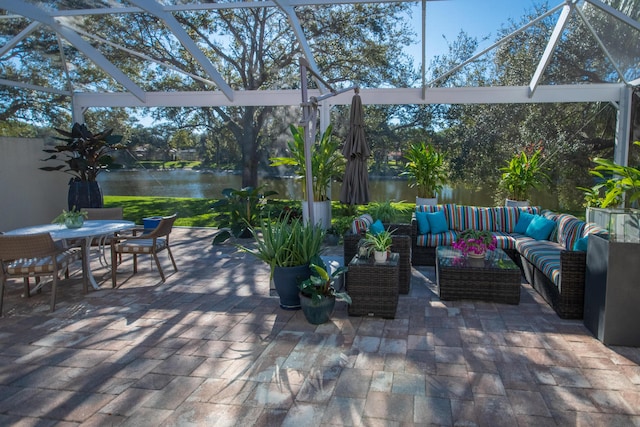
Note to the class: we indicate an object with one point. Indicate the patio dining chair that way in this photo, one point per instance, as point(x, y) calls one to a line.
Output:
point(151, 242)
point(34, 255)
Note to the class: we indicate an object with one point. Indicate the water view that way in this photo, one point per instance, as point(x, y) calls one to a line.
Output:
point(209, 185)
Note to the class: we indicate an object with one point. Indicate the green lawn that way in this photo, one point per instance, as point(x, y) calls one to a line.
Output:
point(197, 212)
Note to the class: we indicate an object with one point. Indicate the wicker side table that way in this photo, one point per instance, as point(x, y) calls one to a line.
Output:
point(373, 287)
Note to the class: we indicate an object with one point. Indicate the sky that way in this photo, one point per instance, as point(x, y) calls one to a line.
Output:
point(478, 18)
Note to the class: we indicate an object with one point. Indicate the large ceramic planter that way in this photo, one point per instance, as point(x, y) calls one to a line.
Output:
point(321, 213)
point(317, 313)
point(286, 281)
point(430, 201)
point(84, 194)
point(516, 203)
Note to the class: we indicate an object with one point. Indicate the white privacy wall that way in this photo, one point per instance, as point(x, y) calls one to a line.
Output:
point(28, 196)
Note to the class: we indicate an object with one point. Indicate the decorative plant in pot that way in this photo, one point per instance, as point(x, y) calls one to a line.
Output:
point(288, 246)
point(71, 219)
point(326, 163)
point(84, 155)
point(318, 294)
point(522, 174)
point(379, 243)
point(238, 211)
point(474, 244)
point(427, 171)
point(612, 203)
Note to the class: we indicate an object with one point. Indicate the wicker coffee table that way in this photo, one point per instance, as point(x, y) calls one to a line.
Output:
point(373, 287)
point(497, 279)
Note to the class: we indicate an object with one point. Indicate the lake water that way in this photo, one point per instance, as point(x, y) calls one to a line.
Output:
point(209, 185)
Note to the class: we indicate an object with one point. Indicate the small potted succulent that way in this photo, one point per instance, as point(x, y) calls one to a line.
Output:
point(71, 219)
point(380, 244)
point(318, 294)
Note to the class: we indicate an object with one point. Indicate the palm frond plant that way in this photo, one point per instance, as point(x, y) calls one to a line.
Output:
point(522, 174)
point(321, 284)
point(327, 161)
point(619, 183)
point(426, 169)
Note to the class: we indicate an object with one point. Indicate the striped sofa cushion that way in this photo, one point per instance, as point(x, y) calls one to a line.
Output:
point(506, 217)
point(473, 217)
point(449, 212)
point(569, 229)
point(544, 254)
point(25, 266)
point(505, 240)
point(441, 239)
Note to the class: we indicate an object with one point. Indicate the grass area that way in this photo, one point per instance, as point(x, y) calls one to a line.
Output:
point(194, 212)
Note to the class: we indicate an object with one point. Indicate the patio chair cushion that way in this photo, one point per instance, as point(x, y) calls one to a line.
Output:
point(26, 266)
point(141, 246)
point(423, 223)
point(523, 222)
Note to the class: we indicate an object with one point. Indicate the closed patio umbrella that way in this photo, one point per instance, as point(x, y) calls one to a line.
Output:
point(355, 184)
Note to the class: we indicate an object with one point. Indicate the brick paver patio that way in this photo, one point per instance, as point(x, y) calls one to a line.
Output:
point(210, 347)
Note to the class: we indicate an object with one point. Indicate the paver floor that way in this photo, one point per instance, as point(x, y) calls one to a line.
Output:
point(211, 347)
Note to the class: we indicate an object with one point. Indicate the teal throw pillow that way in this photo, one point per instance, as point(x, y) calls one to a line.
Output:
point(423, 223)
point(581, 244)
point(376, 227)
point(540, 227)
point(437, 222)
point(523, 222)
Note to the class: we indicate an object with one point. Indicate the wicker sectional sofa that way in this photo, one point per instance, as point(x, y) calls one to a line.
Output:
point(553, 268)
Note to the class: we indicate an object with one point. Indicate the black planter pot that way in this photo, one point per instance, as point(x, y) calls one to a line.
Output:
point(286, 280)
point(84, 194)
point(318, 313)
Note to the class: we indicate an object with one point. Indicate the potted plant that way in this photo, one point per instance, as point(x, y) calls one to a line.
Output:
point(288, 246)
point(379, 244)
point(326, 163)
point(318, 294)
point(71, 219)
point(618, 184)
point(427, 171)
point(521, 174)
point(475, 243)
point(238, 211)
point(84, 155)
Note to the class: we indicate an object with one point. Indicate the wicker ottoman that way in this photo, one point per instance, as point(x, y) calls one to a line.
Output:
point(373, 287)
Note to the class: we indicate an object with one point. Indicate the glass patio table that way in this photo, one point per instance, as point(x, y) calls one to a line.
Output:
point(495, 279)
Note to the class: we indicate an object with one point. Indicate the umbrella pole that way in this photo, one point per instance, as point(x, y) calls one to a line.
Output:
point(306, 117)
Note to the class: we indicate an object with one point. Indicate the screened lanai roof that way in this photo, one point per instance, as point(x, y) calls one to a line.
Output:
point(80, 25)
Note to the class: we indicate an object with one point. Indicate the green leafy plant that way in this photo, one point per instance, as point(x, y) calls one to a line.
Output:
point(618, 183)
point(238, 211)
point(380, 242)
point(285, 243)
point(84, 154)
point(385, 211)
point(326, 161)
point(321, 284)
point(71, 216)
point(521, 174)
point(426, 169)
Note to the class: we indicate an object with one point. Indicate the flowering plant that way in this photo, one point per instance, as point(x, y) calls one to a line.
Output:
point(475, 242)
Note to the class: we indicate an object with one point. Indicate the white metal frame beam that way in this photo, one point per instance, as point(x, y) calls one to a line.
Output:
point(604, 92)
point(551, 46)
point(37, 14)
point(155, 9)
